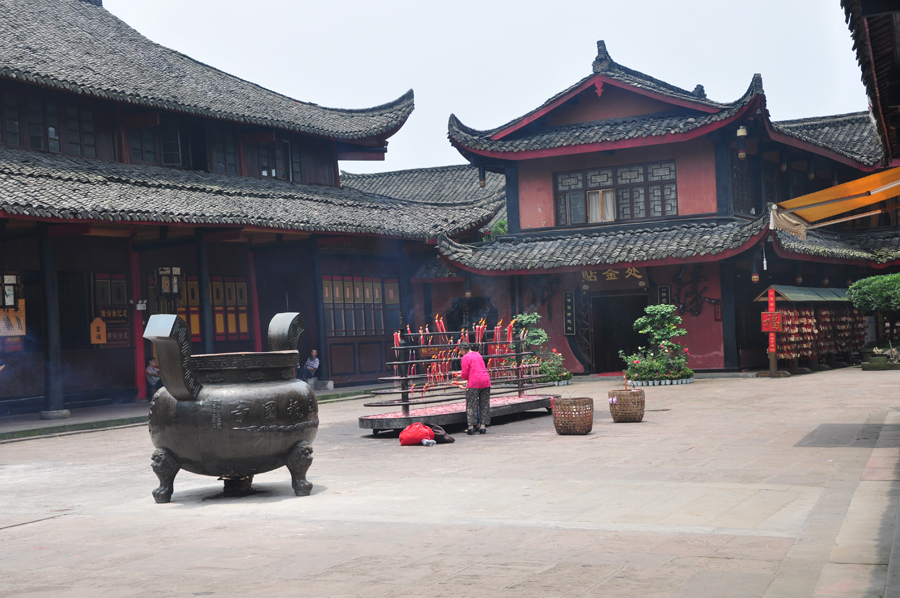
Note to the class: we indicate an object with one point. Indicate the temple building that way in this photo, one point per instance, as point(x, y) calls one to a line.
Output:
point(135, 180)
point(624, 191)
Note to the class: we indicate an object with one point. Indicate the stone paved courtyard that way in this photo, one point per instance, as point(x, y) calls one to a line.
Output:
point(730, 487)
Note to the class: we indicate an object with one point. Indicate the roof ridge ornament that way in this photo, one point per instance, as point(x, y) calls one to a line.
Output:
point(699, 91)
point(603, 60)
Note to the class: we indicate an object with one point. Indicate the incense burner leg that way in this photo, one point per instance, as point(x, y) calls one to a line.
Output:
point(236, 487)
point(298, 462)
point(165, 468)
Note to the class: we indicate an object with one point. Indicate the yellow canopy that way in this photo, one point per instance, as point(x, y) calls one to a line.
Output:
point(844, 198)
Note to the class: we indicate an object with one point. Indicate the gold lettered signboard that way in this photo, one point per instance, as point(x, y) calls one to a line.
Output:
point(569, 313)
point(614, 279)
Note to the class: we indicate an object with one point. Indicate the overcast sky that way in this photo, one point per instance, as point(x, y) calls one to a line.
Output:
point(490, 61)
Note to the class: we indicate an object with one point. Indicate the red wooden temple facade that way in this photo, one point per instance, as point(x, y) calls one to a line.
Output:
point(134, 180)
point(624, 191)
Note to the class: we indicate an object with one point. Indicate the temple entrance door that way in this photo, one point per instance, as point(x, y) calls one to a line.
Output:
point(612, 321)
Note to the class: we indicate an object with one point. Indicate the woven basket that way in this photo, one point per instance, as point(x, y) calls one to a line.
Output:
point(573, 416)
point(629, 405)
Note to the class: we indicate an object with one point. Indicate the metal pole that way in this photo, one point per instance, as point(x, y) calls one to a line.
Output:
point(53, 384)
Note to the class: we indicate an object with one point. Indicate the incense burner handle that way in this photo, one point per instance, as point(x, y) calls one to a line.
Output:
point(172, 340)
point(285, 330)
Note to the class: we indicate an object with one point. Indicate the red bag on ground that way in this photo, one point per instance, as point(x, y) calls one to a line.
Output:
point(415, 433)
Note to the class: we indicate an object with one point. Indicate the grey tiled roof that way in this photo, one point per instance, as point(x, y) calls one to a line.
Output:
point(453, 187)
point(48, 185)
point(433, 268)
point(878, 246)
point(677, 121)
point(615, 129)
point(439, 185)
point(80, 47)
point(852, 135)
point(605, 65)
point(603, 247)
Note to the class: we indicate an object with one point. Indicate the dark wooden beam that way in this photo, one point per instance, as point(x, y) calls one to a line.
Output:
point(875, 8)
point(207, 334)
point(321, 339)
point(513, 223)
point(257, 137)
point(69, 230)
point(222, 236)
point(53, 376)
point(360, 156)
point(140, 119)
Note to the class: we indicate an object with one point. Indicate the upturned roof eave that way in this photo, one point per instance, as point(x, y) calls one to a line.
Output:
point(564, 150)
point(404, 105)
point(595, 81)
point(666, 261)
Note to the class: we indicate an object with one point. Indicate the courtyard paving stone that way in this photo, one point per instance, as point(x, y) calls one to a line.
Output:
point(730, 487)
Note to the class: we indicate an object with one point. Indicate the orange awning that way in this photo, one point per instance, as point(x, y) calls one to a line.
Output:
point(844, 198)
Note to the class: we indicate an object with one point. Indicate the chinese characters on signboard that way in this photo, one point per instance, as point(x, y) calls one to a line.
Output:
point(771, 321)
point(614, 278)
point(663, 293)
point(772, 347)
point(569, 313)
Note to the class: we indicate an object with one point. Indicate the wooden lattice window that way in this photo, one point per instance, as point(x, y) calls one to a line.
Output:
point(273, 160)
point(360, 305)
point(9, 120)
point(43, 126)
point(142, 145)
point(772, 178)
point(622, 193)
point(80, 133)
point(171, 144)
point(225, 152)
point(743, 186)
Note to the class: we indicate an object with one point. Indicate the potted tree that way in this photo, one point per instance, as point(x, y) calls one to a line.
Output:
point(663, 361)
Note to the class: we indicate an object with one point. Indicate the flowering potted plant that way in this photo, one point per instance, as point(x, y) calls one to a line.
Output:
point(664, 361)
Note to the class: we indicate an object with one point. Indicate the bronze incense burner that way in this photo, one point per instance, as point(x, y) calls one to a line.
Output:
point(230, 415)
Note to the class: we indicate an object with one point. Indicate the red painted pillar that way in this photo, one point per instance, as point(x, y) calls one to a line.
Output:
point(255, 332)
point(137, 322)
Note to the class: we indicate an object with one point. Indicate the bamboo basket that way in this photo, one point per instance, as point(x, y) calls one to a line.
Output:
point(629, 405)
point(573, 416)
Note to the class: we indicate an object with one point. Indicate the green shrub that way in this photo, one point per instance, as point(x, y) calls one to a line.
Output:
point(664, 359)
point(535, 339)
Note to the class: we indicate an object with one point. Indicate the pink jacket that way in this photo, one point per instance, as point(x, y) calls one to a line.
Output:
point(474, 371)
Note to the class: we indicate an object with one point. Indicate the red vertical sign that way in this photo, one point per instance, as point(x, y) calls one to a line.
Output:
point(772, 348)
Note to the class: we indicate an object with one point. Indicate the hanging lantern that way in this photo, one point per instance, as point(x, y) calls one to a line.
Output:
point(798, 274)
point(10, 288)
point(741, 140)
point(783, 166)
point(754, 271)
point(811, 170)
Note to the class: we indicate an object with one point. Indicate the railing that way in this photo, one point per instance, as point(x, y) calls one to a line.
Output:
point(430, 371)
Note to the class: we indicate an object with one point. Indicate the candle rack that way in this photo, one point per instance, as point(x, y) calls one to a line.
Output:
point(426, 368)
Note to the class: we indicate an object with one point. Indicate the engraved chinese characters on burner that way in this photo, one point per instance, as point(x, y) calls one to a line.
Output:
point(293, 409)
point(270, 410)
point(216, 414)
point(240, 412)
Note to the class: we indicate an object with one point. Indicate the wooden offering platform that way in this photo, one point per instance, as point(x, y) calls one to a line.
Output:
point(443, 414)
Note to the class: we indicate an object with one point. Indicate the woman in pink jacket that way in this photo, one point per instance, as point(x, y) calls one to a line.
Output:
point(478, 389)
